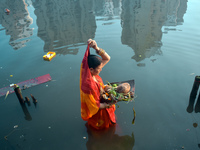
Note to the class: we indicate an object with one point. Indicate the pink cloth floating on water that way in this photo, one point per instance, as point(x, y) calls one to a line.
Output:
point(26, 84)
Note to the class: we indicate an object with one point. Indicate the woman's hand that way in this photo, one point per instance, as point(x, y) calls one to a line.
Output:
point(105, 57)
point(93, 44)
point(107, 105)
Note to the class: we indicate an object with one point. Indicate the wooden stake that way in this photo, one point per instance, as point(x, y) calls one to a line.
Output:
point(28, 101)
point(193, 94)
point(18, 93)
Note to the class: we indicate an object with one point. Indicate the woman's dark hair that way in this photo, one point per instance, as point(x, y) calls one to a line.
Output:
point(94, 61)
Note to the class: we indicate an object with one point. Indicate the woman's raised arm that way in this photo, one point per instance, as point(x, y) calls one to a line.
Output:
point(105, 57)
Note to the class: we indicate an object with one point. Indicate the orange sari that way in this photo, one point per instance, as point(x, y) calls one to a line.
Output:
point(90, 98)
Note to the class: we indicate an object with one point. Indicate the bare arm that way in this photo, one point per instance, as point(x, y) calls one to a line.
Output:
point(105, 57)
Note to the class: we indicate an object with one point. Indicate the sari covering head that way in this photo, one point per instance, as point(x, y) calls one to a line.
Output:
point(90, 98)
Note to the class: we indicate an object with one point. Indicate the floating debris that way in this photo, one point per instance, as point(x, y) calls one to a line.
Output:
point(84, 137)
point(49, 56)
point(153, 60)
point(12, 85)
point(7, 11)
point(141, 65)
point(6, 95)
point(134, 114)
point(109, 23)
point(24, 87)
point(11, 75)
point(6, 137)
point(16, 126)
point(195, 125)
point(29, 83)
point(192, 74)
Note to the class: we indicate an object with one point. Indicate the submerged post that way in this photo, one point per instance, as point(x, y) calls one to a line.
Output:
point(18, 93)
point(34, 100)
point(22, 102)
point(27, 100)
point(195, 87)
point(197, 106)
point(193, 94)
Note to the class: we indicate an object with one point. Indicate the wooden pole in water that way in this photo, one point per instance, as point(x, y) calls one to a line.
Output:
point(195, 87)
point(197, 106)
point(34, 100)
point(193, 93)
point(18, 93)
point(27, 100)
point(21, 101)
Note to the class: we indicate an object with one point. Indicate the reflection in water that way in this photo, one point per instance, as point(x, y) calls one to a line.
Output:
point(174, 12)
point(109, 9)
point(142, 22)
point(64, 24)
point(26, 112)
point(17, 23)
point(108, 140)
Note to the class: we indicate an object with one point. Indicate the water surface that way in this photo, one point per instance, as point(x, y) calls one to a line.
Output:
point(154, 42)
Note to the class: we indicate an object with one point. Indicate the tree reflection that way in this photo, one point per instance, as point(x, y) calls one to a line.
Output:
point(108, 140)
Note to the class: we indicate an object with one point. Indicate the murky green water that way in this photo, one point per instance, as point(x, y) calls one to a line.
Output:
point(155, 42)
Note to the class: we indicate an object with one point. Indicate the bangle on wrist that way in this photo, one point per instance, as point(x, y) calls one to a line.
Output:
point(100, 51)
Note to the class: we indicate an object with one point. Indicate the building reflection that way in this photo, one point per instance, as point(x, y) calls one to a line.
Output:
point(17, 23)
point(64, 24)
point(142, 22)
point(110, 9)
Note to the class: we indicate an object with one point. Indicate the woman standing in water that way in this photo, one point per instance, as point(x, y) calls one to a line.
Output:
point(99, 115)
